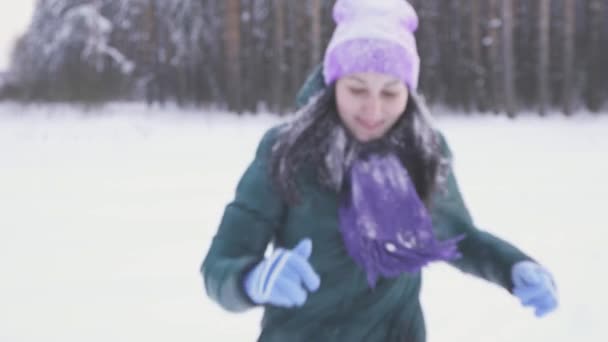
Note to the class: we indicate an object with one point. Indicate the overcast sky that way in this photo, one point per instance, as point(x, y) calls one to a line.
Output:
point(14, 18)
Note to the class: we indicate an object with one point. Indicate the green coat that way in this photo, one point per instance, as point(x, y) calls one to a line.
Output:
point(344, 308)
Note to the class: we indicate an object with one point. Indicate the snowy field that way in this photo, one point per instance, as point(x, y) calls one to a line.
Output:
point(105, 218)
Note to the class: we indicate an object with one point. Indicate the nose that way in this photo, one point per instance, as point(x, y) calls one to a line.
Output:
point(372, 107)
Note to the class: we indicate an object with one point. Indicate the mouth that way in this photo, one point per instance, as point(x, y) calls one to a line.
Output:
point(369, 125)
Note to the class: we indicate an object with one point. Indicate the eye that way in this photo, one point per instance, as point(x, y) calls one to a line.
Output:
point(357, 91)
point(389, 94)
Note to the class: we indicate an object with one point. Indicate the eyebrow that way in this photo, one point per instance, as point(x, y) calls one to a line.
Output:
point(387, 84)
point(355, 78)
point(391, 83)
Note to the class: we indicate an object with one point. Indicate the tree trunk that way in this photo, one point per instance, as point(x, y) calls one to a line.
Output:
point(453, 66)
point(596, 68)
point(247, 71)
point(315, 32)
point(568, 49)
point(279, 54)
point(508, 58)
point(232, 41)
point(212, 67)
point(525, 43)
point(296, 10)
point(544, 25)
point(430, 79)
point(151, 55)
point(478, 86)
point(493, 46)
point(256, 62)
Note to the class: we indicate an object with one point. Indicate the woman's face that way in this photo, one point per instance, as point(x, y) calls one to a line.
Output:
point(369, 104)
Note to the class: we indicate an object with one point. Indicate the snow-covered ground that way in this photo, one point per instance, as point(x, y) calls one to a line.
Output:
point(105, 218)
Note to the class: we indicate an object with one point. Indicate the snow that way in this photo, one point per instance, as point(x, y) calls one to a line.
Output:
point(107, 214)
point(14, 18)
point(97, 36)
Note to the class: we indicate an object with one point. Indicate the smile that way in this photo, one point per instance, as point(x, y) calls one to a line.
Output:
point(369, 125)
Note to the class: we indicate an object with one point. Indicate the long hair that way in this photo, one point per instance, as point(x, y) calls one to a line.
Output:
point(317, 140)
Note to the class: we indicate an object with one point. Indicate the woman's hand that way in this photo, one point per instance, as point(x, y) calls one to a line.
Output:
point(283, 279)
point(534, 286)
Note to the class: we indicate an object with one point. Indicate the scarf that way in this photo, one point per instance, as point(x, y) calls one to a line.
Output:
point(385, 226)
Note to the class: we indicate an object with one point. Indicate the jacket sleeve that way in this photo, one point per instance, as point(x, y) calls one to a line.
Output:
point(483, 254)
point(247, 226)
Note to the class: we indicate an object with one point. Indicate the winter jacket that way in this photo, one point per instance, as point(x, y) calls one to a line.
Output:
point(344, 308)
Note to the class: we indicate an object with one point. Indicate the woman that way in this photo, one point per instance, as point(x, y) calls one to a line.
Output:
point(357, 195)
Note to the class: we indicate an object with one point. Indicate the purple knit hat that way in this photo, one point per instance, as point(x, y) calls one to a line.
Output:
point(373, 36)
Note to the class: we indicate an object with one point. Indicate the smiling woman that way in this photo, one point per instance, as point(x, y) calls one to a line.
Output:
point(14, 18)
point(356, 195)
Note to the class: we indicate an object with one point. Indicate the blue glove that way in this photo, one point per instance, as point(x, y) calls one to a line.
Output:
point(284, 278)
point(534, 286)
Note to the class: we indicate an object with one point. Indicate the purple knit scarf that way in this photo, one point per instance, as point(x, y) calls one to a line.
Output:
point(386, 228)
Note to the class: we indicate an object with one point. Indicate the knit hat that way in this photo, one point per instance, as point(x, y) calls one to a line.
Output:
point(373, 36)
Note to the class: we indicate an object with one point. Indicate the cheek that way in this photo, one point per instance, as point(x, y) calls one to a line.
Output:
point(394, 112)
point(347, 106)
point(396, 109)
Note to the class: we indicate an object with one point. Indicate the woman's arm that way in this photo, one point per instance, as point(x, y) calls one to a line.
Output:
point(247, 227)
point(483, 254)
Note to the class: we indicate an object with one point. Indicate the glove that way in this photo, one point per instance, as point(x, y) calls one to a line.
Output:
point(534, 286)
point(284, 278)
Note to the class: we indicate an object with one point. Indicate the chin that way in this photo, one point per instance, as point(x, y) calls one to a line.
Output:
point(363, 138)
point(368, 138)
